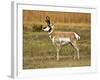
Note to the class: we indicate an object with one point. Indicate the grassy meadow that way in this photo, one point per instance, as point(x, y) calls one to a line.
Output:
point(39, 52)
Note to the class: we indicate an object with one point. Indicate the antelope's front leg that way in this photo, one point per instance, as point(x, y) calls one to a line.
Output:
point(57, 54)
point(58, 48)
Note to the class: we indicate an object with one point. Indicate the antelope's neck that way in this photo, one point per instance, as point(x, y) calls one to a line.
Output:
point(51, 31)
point(50, 34)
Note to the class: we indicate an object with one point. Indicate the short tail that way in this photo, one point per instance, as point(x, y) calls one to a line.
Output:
point(77, 36)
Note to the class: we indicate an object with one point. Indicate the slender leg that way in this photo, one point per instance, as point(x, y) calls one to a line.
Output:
point(74, 55)
point(57, 54)
point(77, 50)
point(73, 45)
point(58, 48)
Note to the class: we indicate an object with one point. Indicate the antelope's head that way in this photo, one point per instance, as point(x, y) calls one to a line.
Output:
point(49, 26)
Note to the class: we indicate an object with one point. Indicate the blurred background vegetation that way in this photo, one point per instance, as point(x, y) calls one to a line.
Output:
point(34, 20)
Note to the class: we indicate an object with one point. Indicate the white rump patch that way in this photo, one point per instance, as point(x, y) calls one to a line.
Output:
point(77, 36)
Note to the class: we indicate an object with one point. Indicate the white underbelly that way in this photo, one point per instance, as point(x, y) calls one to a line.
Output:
point(64, 41)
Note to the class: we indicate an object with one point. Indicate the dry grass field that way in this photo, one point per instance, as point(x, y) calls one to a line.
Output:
point(38, 50)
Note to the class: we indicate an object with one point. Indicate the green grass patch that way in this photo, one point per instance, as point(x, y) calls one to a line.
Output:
point(39, 52)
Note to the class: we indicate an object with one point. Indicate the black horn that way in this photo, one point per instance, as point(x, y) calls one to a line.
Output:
point(47, 20)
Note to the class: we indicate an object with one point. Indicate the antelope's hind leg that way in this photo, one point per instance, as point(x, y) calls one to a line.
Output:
point(77, 50)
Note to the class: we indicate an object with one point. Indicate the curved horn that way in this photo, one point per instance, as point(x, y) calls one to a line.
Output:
point(47, 17)
point(47, 20)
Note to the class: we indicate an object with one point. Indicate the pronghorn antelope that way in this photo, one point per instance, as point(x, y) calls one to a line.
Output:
point(60, 38)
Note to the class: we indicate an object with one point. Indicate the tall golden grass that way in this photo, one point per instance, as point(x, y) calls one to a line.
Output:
point(38, 17)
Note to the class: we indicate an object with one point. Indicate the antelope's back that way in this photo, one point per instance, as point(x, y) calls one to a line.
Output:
point(63, 34)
